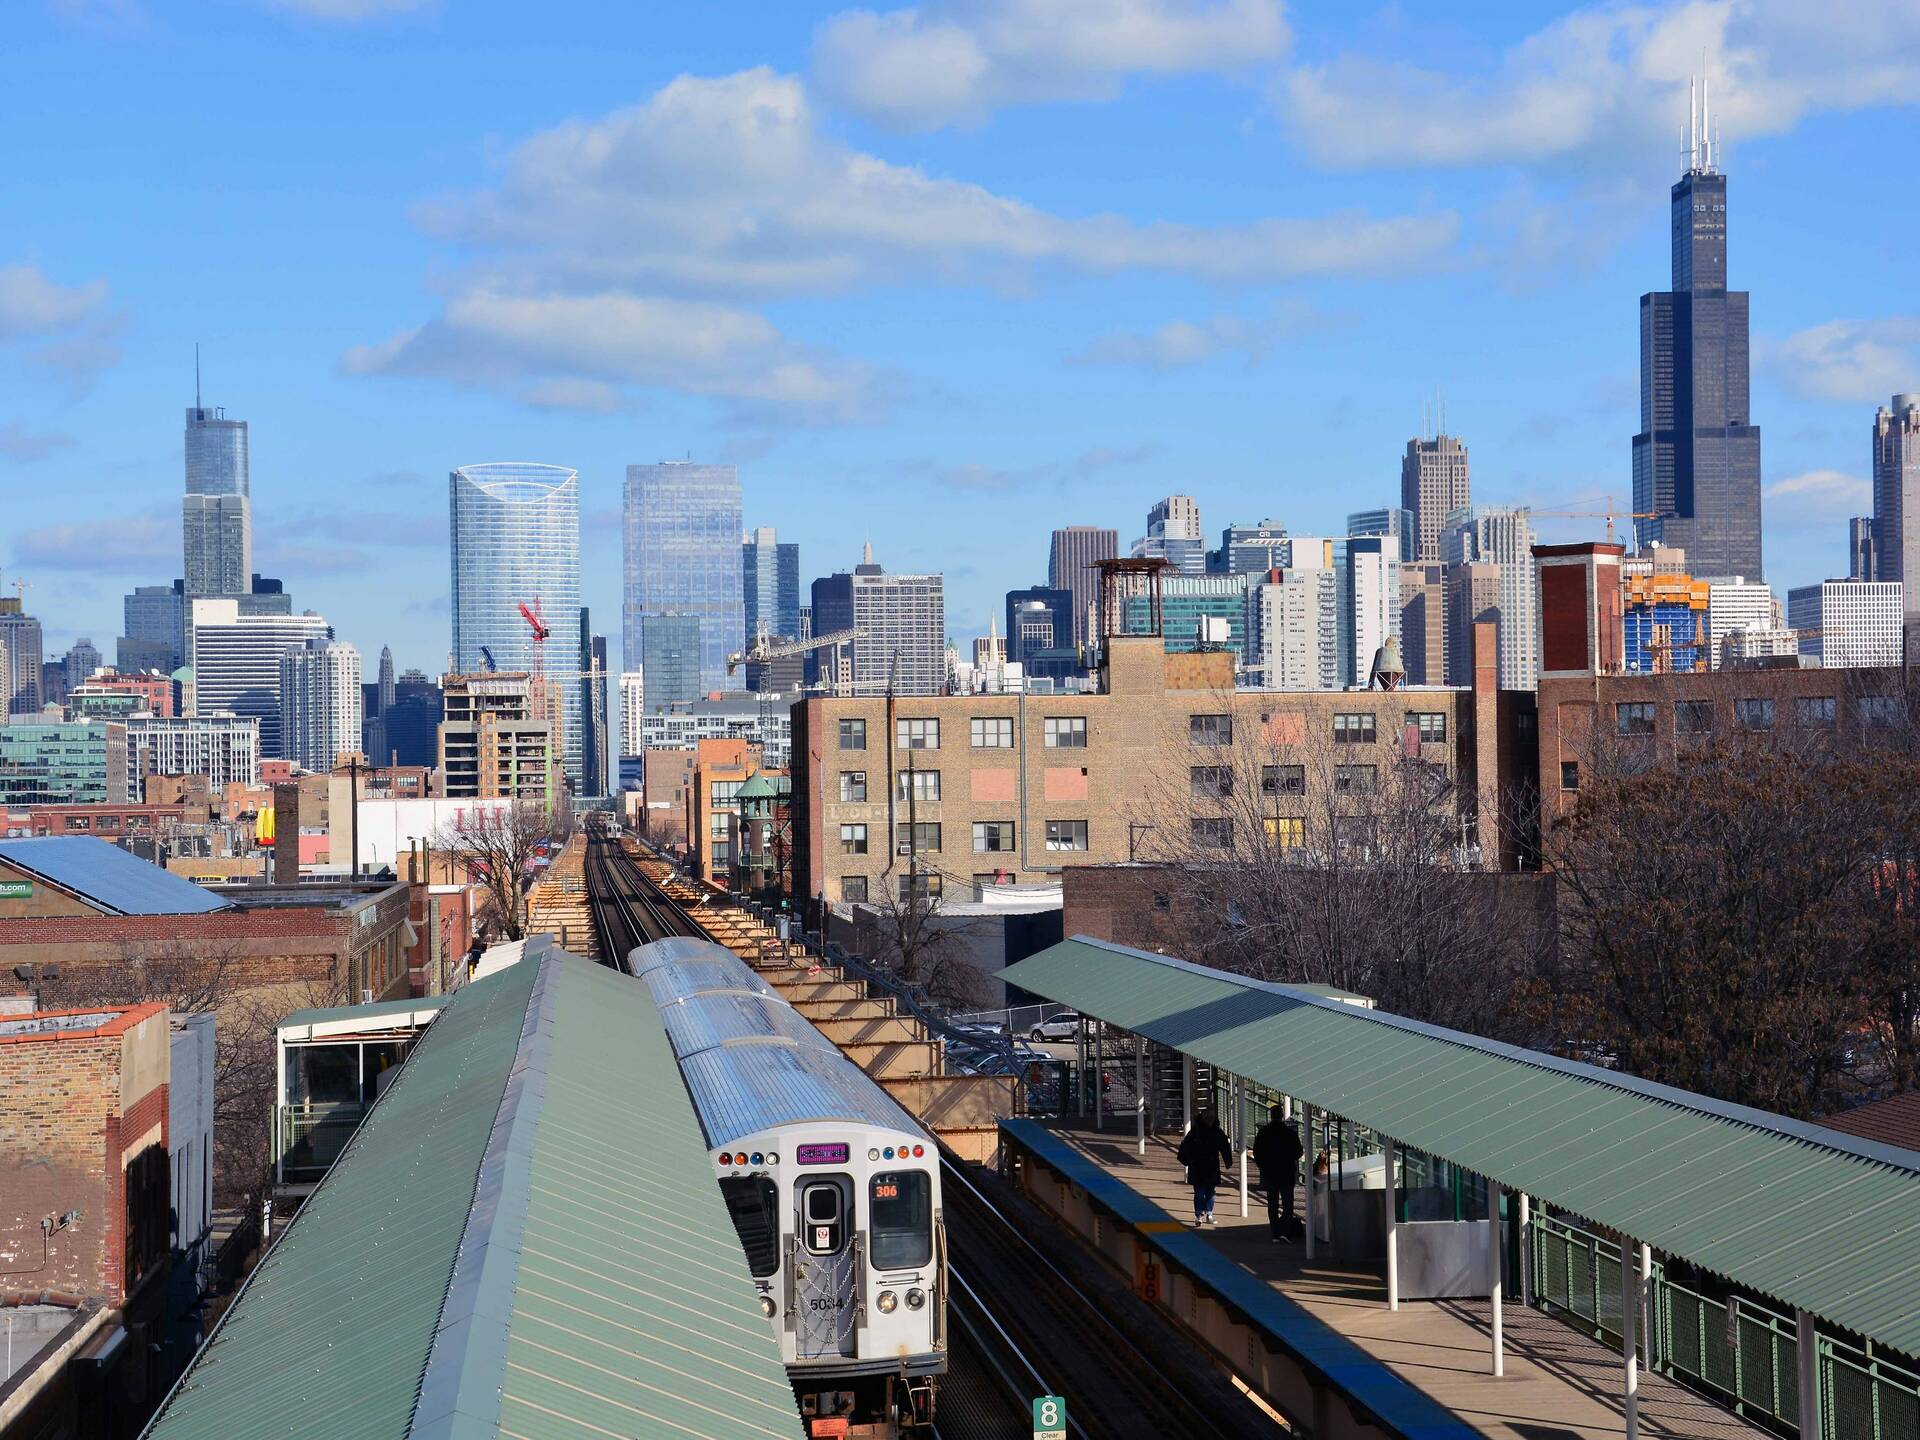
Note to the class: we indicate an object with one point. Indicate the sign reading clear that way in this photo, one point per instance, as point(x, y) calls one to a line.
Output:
point(16, 889)
point(1049, 1418)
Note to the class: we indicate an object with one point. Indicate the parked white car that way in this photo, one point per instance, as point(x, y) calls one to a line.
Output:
point(1064, 1026)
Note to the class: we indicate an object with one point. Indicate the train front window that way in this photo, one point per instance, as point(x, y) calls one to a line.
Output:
point(900, 1219)
point(750, 1202)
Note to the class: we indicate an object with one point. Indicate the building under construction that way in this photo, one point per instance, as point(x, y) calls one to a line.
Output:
point(492, 746)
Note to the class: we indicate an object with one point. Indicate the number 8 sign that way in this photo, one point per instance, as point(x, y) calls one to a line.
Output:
point(1049, 1418)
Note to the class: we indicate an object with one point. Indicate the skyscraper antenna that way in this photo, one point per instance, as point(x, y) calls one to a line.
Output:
point(1706, 119)
point(1693, 123)
point(196, 375)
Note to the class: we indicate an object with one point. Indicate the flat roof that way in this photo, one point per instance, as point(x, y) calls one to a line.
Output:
point(1818, 1220)
point(509, 1244)
point(116, 880)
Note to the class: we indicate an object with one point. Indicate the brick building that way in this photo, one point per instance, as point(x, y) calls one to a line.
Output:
point(84, 1218)
point(1021, 786)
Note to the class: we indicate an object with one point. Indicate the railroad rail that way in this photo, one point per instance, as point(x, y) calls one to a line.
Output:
point(1025, 1322)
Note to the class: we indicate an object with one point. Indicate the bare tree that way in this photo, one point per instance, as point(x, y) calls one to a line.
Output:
point(496, 845)
point(1345, 861)
point(908, 937)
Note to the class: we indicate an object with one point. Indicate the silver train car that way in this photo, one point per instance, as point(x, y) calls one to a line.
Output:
point(833, 1188)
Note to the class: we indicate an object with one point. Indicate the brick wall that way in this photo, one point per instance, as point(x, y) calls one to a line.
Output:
point(1149, 907)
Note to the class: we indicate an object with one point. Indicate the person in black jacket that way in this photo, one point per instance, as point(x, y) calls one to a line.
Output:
point(1276, 1150)
point(1203, 1152)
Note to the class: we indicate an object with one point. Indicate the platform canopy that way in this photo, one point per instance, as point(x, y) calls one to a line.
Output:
point(1817, 1220)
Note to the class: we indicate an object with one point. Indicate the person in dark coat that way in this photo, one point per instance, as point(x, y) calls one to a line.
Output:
point(1203, 1151)
point(1276, 1150)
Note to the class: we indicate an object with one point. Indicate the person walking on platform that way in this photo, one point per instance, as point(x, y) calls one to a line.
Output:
point(1203, 1152)
point(1276, 1150)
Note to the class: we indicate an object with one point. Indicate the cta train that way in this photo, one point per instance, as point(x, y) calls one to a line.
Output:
point(833, 1188)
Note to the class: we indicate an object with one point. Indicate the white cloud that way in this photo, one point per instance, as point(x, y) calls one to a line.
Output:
point(19, 443)
point(136, 544)
point(351, 10)
point(1192, 342)
point(33, 304)
point(1858, 362)
point(725, 186)
point(925, 66)
point(1607, 85)
point(1832, 491)
point(578, 349)
point(976, 475)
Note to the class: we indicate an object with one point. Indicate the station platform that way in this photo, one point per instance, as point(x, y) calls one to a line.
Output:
point(1322, 1330)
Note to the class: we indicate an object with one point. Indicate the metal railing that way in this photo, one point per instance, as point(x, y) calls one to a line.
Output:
point(1731, 1347)
point(308, 1138)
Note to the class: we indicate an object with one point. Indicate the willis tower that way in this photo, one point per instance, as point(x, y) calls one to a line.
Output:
point(1696, 460)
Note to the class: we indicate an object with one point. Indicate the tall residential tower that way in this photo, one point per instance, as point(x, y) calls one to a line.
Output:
point(1075, 550)
point(216, 512)
point(682, 543)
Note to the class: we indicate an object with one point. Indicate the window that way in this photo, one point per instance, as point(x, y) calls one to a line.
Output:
point(917, 785)
point(1633, 717)
point(752, 1202)
point(922, 886)
point(1288, 832)
point(723, 791)
point(1816, 712)
point(1066, 834)
point(853, 888)
point(1523, 724)
point(1356, 779)
point(917, 734)
point(1569, 774)
point(1066, 732)
point(853, 786)
point(719, 826)
point(1432, 725)
point(992, 836)
point(923, 836)
point(1283, 779)
point(1213, 833)
point(853, 734)
point(900, 1220)
point(1210, 729)
point(853, 839)
point(1879, 709)
point(1209, 782)
point(1753, 714)
point(1353, 834)
point(1693, 717)
point(1353, 728)
point(992, 732)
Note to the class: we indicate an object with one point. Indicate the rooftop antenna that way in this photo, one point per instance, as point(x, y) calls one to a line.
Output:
point(196, 375)
point(1693, 123)
point(1706, 119)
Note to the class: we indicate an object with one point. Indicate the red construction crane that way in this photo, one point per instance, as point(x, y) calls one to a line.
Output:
point(537, 671)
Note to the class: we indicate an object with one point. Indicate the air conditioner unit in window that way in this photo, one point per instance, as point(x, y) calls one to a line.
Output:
point(905, 847)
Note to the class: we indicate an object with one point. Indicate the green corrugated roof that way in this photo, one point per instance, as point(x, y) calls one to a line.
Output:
point(524, 1237)
point(1815, 1219)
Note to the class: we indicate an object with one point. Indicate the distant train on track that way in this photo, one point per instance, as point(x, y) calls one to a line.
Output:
point(833, 1188)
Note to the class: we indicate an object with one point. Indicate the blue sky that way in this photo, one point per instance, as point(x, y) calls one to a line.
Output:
point(942, 277)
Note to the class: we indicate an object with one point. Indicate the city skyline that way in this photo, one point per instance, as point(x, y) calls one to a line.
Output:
point(1128, 373)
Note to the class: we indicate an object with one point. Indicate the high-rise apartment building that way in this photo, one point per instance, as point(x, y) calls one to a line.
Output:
point(1434, 483)
point(1391, 520)
point(491, 746)
point(1249, 549)
point(1423, 623)
point(770, 585)
point(904, 618)
point(1368, 572)
point(1896, 498)
point(20, 635)
point(1736, 606)
point(1293, 629)
point(516, 540)
point(1474, 591)
point(235, 659)
point(217, 508)
point(633, 708)
point(1848, 623)
point(596, 777)
point(224, 747)
point(320, 703)
point(82, 660)
point(1696, 460)
point(682, 557)
point(1071, 557)
point(670, 651)
point(1504, 537)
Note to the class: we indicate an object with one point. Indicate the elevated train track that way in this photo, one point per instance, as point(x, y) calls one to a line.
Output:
point(1024, 1321)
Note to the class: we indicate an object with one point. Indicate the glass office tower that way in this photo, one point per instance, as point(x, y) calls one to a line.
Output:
point(516, 538)
point(683, 558)
point(216, 512)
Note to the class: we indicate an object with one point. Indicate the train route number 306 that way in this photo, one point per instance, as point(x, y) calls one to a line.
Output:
point(1049, 1418)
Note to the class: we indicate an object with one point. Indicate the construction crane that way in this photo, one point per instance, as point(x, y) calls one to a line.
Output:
point(1609, 515)
point(486, 657)
point(764, 649)
point(537, 670)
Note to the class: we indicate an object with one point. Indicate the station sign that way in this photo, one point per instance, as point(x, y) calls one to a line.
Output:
point(1049, 1418)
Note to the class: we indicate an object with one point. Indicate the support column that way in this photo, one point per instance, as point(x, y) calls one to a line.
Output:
point(1080, 1084)
point(1243, 1180)
point(1526, 1250)
point(1099, 1077)
point(1310, 1210)
point(1390, 1155)
point(1629, 1323)
point(1186, 1093)
point(1140, 1092)
point(1496, 1261)
point(1806, 1347)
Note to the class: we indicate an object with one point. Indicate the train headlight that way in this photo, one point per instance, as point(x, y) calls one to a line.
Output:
point(873, 1154)
point(773, 1157)
point(887, 1302)
point(767, 1306)
point(916, 1298)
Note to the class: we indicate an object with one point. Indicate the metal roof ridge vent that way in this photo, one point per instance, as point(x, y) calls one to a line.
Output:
point(1806, 1131)
point(465, 1366)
